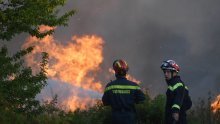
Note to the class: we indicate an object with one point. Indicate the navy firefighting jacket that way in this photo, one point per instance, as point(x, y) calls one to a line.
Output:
point(178, 99)
point(122, 94)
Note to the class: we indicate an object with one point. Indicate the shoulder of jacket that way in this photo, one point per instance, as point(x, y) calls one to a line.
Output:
point(132, 83)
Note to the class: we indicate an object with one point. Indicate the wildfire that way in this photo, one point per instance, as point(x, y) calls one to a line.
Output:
point(216, 104)
point(75, 63)
point(128, 76)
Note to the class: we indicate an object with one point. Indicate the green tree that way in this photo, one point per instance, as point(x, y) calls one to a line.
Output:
point(156, 111)
point(17, 16)
point(18, 85)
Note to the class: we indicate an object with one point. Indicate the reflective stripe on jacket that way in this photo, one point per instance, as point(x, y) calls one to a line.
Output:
point(178, 99)
point(122, 94)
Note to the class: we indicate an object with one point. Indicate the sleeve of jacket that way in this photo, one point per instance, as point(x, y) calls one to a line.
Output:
point(178, 98)
point(105, 98)
point(139, 96)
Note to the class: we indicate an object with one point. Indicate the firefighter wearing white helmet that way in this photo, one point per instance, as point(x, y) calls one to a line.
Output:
point(178, 100)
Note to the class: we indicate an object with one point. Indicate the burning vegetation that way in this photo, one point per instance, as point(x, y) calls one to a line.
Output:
point(216, 104)
point(76, 63)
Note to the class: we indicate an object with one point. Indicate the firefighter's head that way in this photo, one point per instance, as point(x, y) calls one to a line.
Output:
point(170, 69)
point(120, 67)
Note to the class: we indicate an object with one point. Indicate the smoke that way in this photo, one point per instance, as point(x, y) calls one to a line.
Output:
point(146, 32)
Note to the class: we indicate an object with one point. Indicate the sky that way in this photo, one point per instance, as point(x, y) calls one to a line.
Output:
point(146, 32)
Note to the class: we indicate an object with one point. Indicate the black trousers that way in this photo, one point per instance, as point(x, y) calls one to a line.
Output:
point(123, 118)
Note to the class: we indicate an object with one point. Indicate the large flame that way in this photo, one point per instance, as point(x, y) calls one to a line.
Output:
point(216, 104)
point(76, 63)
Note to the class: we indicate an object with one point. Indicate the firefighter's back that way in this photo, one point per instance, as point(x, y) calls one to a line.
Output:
point(122, 96)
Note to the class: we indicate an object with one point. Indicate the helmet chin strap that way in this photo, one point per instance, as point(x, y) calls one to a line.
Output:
point(172, 74)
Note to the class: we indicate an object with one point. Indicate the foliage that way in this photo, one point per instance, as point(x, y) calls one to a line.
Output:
point(17, 16)
point(150, 112)
point(202, 113)
point(18, 86)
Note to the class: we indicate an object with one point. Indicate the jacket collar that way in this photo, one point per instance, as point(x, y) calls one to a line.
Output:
point(173, 80)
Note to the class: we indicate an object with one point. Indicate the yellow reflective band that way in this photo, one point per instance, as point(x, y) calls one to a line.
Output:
point(175, 86)
point(121, 91)
point(186, 87)
point(123, 87)
point(170, 87)
point(176, 106)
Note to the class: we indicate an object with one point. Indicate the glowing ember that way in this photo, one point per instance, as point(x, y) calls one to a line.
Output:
point(216, 104)
point(128, 76)
point(76, 63)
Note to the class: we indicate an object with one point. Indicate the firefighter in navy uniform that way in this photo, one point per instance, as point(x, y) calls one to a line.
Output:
point(122, 94)
point(178, 100)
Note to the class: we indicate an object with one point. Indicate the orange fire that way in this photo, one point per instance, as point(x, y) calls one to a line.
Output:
point(216, 104)
point(75, 63)
point(128, 76)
